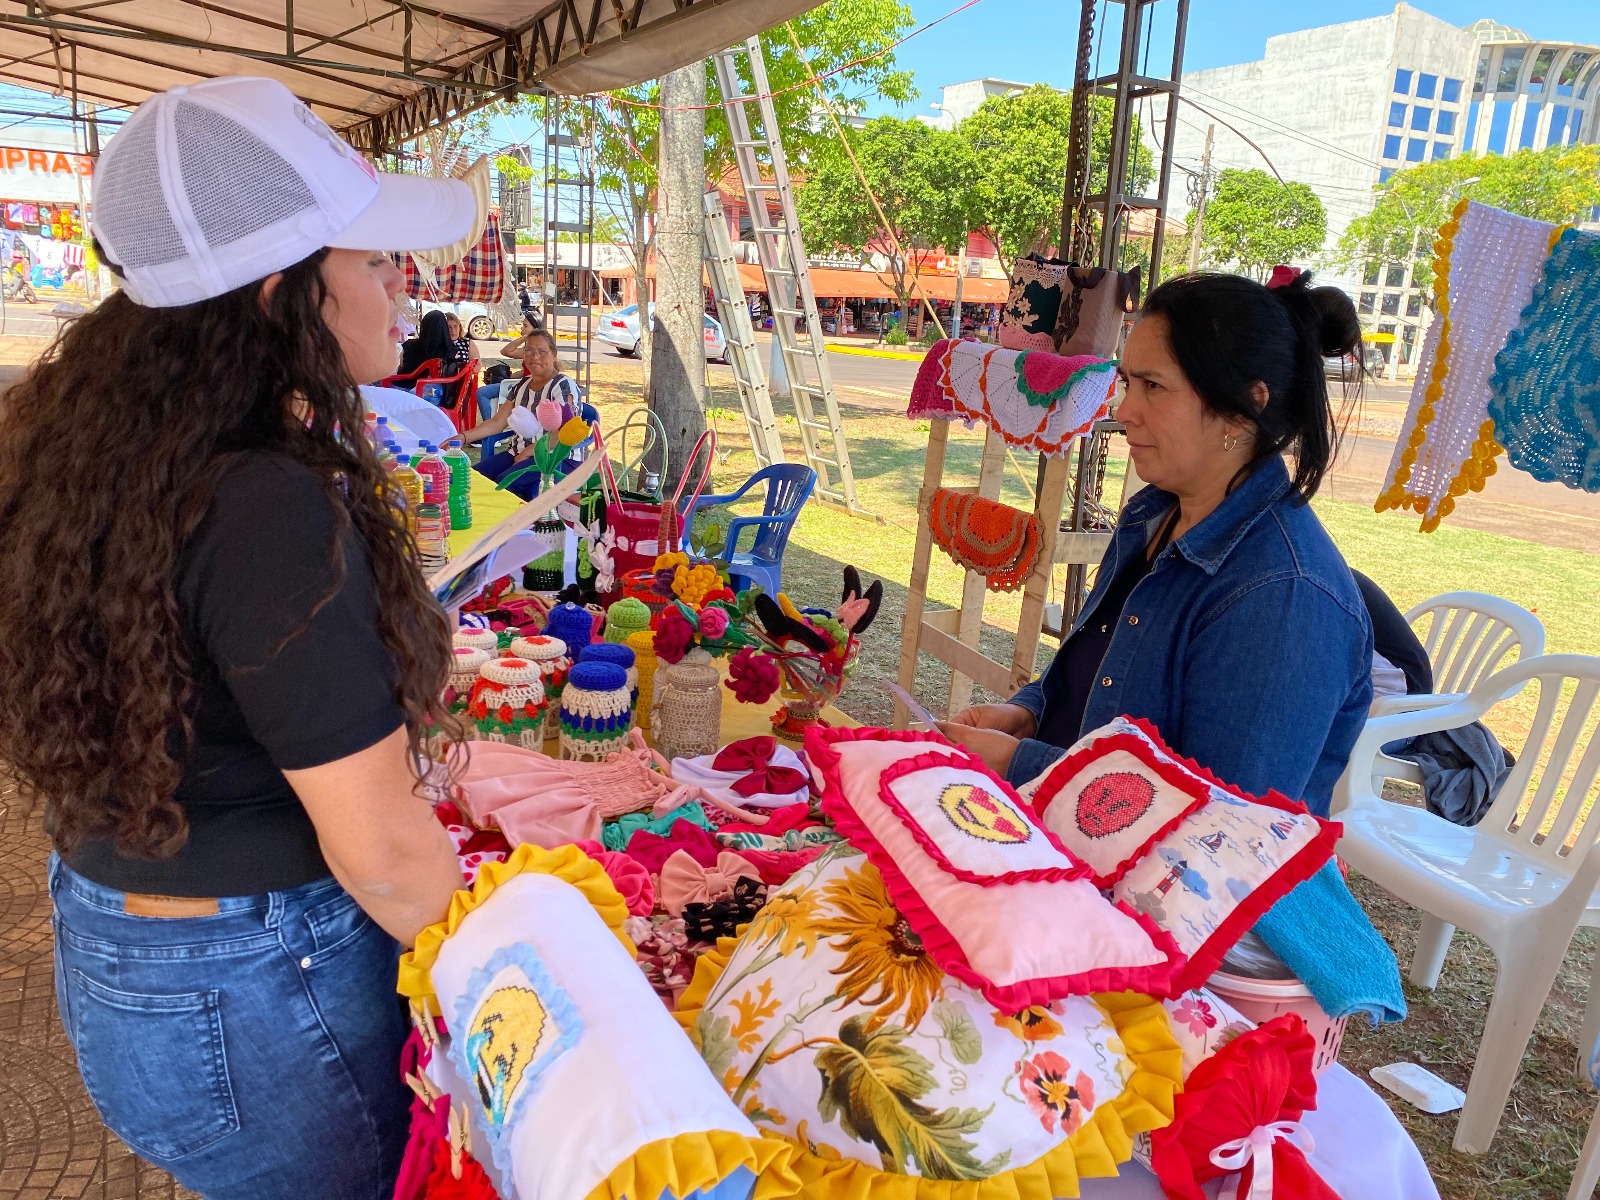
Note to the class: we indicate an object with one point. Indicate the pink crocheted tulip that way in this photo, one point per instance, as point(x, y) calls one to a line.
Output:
point(752, 676)
point(674, 636)
point(548, 413)
point(714, 623)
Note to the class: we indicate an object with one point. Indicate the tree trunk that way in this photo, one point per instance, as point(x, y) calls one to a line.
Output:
point(677, 387)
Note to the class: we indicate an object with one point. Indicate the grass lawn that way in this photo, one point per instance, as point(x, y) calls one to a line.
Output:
point(1537, 1145)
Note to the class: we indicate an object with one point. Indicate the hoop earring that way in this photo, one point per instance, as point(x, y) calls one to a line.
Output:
point(1229, 441)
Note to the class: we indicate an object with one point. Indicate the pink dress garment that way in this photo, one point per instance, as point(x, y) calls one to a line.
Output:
point(685, 881)
point(629, 877)
point(528, 796)
point(651, 850)
point(777, 867)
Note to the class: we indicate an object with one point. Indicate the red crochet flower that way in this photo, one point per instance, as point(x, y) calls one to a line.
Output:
point(673, 637)
point(752, 676)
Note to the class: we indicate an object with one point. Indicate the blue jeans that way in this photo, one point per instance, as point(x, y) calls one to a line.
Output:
point(487, 395)
point(253, 1054)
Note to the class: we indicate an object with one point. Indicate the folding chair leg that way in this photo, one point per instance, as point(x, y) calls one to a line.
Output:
point(1591, 1021)
point(1587, 1173)
point(1433, 943)
point(1520, 988)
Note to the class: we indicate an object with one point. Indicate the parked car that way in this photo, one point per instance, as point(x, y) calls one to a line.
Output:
point(620, 331)
point(477, 319)
point(1347, 368)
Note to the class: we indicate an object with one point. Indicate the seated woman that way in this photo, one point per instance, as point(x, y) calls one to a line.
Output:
point(542, 380)
point(466, 350)
point(1222, 612)
point(515, 350)
point(433, 340)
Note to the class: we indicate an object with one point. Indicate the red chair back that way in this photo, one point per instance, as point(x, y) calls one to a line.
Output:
point(462, 403)
point(411, 378)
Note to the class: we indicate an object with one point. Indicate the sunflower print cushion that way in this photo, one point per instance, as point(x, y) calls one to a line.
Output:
point(833, 1029)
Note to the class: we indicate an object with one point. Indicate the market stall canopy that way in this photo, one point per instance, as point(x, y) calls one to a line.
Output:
point(380, 73)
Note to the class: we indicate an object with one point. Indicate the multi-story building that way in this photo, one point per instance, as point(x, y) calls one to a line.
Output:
point(1343, 107)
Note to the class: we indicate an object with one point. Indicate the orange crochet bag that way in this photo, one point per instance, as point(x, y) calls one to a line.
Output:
point(998, 541)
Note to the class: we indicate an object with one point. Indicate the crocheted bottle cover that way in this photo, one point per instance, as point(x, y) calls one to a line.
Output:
point(625, 618)
point(508, 703)
point(465, 664)
point(686, 720)
point(999, 542)
point(643, 645)
point(478, 639)
point(596, 713)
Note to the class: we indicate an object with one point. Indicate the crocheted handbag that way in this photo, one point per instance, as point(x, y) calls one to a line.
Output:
point(1028, 320)
point(999, 542)
point(1094, 301)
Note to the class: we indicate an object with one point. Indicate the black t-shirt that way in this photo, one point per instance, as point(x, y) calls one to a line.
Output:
point(1393, 638)
point(259, 563)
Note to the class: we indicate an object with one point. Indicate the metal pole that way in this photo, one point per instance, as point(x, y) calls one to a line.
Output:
point(1169, 143)
point(1201, 199)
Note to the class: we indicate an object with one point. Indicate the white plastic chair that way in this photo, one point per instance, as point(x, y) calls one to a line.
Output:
point(1523, 894)
point(1470, 636)
point(1587, 1173)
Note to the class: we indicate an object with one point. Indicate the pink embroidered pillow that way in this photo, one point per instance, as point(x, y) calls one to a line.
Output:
point(1207, 877)
point(996, 900)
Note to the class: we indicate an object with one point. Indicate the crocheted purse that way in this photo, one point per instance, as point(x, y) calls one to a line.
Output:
point(999, 542)
point(508, 702)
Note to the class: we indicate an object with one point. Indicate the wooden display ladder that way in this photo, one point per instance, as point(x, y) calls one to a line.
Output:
point(763, 172)
point(749, 377)
point(952, 637)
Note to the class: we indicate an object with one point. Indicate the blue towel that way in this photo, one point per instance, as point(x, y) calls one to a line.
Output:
point(1321, 934)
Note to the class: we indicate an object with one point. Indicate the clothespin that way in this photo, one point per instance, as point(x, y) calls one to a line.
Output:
point(423, 1087)
point(457, 1141)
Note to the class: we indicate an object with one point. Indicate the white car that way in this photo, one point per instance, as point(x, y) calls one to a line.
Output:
point(620, 330)
point(476, 319)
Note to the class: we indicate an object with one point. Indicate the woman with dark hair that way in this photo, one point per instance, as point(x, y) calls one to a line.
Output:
point(433, 340)
point(1222, 612)
point(218, 655)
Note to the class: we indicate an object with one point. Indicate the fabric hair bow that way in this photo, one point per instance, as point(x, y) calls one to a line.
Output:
point(684, 881)
point(1283, 276)
point(753, 756)
point(723, 918)
point(1239, 1114)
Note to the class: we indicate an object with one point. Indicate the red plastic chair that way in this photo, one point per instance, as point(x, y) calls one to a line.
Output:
point(462, 403)
point(411, 378)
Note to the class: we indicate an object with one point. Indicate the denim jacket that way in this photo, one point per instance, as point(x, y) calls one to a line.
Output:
point(1247, 645)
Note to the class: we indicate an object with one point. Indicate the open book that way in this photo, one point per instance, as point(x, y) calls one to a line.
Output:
point(507, 546)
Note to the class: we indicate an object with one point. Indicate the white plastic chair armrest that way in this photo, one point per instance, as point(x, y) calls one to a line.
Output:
point(1386, 706)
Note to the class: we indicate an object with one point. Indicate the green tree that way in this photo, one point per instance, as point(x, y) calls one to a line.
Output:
point(923, 177)
point(1255, 221)
point(1020, 144)
point(1559, 184)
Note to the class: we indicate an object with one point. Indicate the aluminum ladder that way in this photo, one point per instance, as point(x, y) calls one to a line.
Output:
point(568, 189)
point(764, 172)
point(749, 376)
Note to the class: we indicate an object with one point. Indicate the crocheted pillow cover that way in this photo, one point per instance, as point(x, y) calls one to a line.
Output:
point(832, 1026)
point(573, 1072)
point(981, 884)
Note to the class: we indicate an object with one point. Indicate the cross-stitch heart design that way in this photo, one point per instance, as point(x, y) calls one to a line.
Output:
point(1112, 802)
point(975, 811)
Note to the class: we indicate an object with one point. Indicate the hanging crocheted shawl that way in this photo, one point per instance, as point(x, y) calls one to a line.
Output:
point(1485, 265)
point(993, 539)
point(1545, 393)
point(1031, 398)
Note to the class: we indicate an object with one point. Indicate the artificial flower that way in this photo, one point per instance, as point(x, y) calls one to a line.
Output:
point(667, 562)
point(714, 623)
point(673, 637)
point(752, 677)
point(573, 432)
point(548, 413)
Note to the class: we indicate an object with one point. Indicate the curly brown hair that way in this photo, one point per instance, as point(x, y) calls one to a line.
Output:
point(111, 448)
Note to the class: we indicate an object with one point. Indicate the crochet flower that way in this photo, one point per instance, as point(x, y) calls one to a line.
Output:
point(752, 677)
point(666, 562)
point(674, 636)
point(548, 413)
point(714, 623)
point(573, 432)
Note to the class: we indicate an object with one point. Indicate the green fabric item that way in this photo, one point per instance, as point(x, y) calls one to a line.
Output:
point(625, 618)
point(616, 834)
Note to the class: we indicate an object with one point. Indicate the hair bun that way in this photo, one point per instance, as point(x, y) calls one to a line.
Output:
point(1331, 315)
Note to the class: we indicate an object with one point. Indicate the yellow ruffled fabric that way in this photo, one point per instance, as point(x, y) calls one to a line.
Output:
point(568, 864)
point(1398, 495)
point(1095, 1151)
point(694, 1162)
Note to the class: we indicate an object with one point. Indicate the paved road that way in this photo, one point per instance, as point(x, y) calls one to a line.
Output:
point(28, 320)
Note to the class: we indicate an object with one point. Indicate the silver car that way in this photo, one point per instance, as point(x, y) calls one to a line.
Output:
point(620, 330)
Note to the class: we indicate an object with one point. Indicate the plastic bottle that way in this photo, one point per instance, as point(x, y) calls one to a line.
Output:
point(379, 433)
point(433, 537)
point(460, 484)
point(435, 474)
point(369, 426)
point(411, 482)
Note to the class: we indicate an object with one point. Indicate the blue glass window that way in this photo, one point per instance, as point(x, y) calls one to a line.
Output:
point(1510, 69)
point(1416, 150)
point(1452, 91)
point(1446, 124)
point(1441, 150)
point(1391, 146)
point(1402, 82)
point(1420, 117)
point(1426, 86)
point(1566, 82)
point(1499, 126)
point(1397, 115)
point(1558, 125)
point(1530, 127)
point(1472, 124)
point(1383, 175)
point(1541, 70)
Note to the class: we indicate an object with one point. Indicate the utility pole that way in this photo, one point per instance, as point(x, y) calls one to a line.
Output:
point(961, 277)
point(1200, 195)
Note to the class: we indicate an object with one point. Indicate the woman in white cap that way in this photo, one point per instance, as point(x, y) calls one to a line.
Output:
point(217, 652)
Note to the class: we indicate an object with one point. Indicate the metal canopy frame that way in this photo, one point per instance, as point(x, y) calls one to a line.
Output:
point(381, 74)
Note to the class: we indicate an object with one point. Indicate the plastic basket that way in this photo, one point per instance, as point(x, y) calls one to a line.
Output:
point(1262, 999)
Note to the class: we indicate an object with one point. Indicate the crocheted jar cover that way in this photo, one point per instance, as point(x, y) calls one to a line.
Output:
point(571, 624)
point(686, 719)
point(596, 713)
point(508, 701)
point(643, 645)
point(621, 656)
point(1485, 265)
point(999, 542)
point(625, 618)
point(479, 639)
point(1545, 393)
point(465, 664)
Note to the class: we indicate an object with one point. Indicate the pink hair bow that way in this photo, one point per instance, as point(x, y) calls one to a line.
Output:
point(1283, 276)
point(754, 757)
point(684, 881)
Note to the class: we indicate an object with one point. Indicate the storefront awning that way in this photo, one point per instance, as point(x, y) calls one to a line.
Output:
point(975, 290)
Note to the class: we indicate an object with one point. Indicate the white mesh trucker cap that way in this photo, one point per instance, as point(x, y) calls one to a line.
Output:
point(214, 185)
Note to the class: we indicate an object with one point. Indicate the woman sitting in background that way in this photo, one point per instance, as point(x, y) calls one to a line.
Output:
point(465, 348)
point(1222, 613)
point(433, 341)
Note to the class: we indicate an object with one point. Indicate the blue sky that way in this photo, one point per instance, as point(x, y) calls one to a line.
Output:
point(1034, 40)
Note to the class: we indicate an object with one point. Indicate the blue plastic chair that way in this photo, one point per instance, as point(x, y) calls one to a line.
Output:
point(788, 488)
